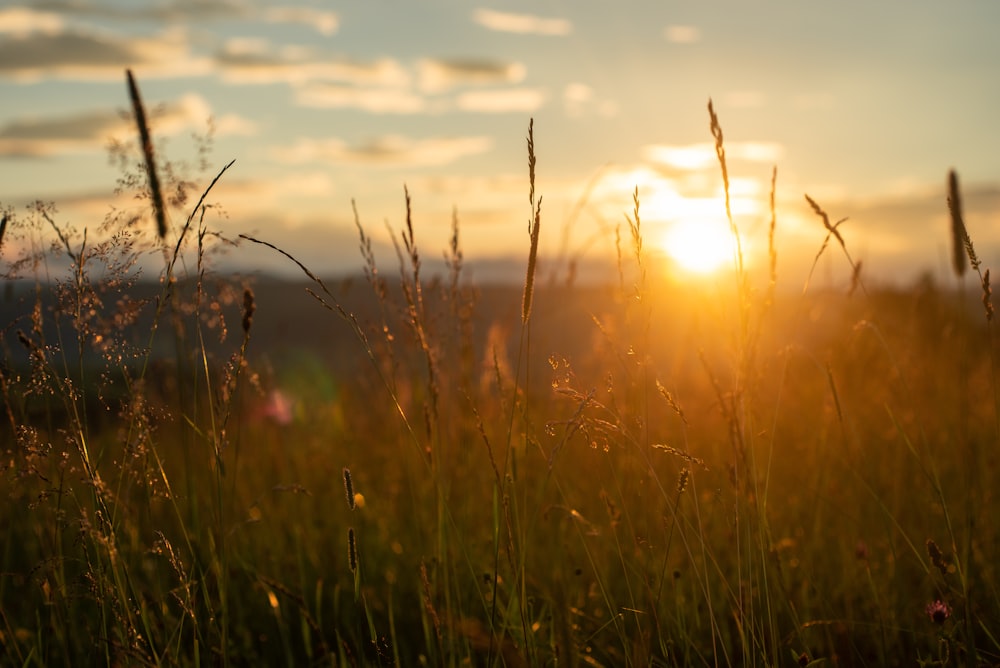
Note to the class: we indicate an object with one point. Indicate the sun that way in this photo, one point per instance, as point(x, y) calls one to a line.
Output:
point(699, 246)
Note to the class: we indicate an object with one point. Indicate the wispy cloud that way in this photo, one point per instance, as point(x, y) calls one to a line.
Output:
point(195, 11)
point(256, 61)
point(326, 23)
point(372, 100)
point(682, 34)
point(22, 21)
point(91, 130)
point(75, 54)
point(702, 155)
point(527, 24)
point(501, 101)
point(439, 76)
point(39, 137)
point(386, 151)
point(171, 10)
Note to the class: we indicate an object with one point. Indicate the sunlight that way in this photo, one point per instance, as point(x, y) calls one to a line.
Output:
point(699, 246)
point(694, 231)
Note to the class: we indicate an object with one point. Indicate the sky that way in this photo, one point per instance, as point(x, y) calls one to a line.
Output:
point(327, 106)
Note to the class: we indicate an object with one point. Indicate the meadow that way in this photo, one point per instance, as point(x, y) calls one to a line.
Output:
point(639, 473)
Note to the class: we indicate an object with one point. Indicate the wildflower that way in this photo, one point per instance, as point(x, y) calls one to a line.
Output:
point(938, 611)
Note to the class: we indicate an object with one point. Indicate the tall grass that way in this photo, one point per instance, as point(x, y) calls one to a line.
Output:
point(634, 474)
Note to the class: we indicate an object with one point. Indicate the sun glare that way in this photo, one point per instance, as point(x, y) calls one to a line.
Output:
point(699, 246)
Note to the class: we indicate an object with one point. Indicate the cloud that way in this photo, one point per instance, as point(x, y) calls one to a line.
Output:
point(525, 24)
point(326, 23)
point(91, 130)
point(194, 11)
point(501, 101)
point(372, 100)
point(256, 61)
point(911, 215)
point(21, 22)
point(439, 76)
point(36, 137)
point(682, 34)
point(702, 155)
point(77, 54)
point(386, 151)
point(177, 10)
point(39, 44)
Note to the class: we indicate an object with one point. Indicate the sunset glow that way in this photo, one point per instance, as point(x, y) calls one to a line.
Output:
point(361, 101)
point(700, 247)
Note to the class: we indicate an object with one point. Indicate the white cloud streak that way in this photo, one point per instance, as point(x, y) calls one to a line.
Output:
point(372, 100)
point(501, 101)
point(22, 21)
point(525, 24)
point(439, 76)
point(326, 23)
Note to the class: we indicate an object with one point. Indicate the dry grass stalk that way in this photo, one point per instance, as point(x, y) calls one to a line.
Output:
point(772, 252)
point(352, 550)
point(720, 153)
point(676, 452)
point(249, 307)
point(855, 278)
point(147, 153)
point(635, 227)
point(671, 401)
point(836, 395)
point(937, 556)
point(618, 251)
point(454, 258)
point(533, 228)
point(987, 295)
point(428, 601)
point(683, 479)
point(962, 241)
point(959, 235)
point(349, 488)
point(832, 230)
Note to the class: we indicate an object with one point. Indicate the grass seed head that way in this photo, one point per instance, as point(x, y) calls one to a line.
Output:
point(937, 556)
point(349, 489)
point(147, 153)
point(249, 306)
point(958, 231)
point(987, 295)
point(352, 550)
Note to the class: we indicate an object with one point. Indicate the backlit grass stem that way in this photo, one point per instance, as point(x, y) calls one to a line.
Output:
point(146, 144)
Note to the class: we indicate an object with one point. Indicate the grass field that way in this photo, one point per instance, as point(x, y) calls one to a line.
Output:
point(643, 473)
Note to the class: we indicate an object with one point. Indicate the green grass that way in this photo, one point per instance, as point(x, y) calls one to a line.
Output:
point(636, 474)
